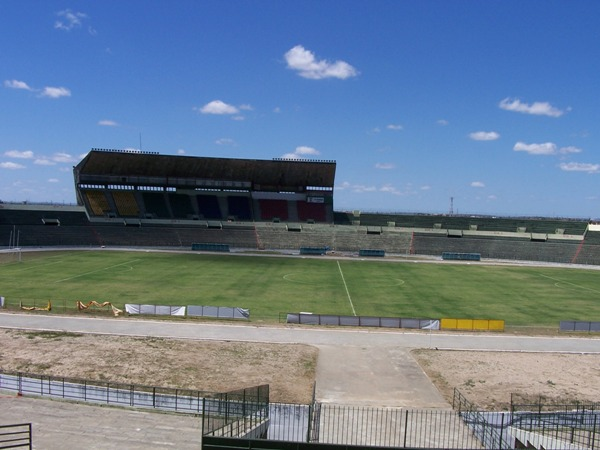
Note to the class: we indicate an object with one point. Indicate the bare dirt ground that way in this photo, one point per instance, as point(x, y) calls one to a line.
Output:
point(197, 365)
point(489, 378)
point(486, 378)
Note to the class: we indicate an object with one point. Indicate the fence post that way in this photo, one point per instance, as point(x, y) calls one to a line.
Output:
point(310, 419)
point(501, 430)
point(405, 428)
point(593, 433)
point(204, 418)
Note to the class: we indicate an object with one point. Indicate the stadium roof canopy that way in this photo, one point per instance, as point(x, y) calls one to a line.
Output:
point(139, 168)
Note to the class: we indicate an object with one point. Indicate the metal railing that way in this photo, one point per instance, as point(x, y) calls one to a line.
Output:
point(243, 412)
point(121, 394)
point(15, 436)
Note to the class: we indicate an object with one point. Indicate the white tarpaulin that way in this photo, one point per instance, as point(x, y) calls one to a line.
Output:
point(155, 310)
point(218, 311)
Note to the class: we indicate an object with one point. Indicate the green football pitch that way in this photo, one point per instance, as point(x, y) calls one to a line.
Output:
point(273, 285)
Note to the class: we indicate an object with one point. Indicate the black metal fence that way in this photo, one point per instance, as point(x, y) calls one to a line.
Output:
point(15, 436)
point(241, 413)
point(163, 398)
point(553, 424)
point(489, 428)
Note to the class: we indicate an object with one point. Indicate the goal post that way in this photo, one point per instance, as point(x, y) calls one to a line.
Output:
point(10, 255)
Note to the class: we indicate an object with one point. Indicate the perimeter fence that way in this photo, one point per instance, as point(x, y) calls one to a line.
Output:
point(110, 393)
point(16, 436)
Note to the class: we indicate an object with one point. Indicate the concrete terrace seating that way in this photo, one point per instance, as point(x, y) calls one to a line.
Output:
point(498, 248)
point(589, 252)
point(481, 223)
point(45, 236)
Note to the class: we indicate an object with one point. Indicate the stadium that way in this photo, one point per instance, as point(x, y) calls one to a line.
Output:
point(219, 208)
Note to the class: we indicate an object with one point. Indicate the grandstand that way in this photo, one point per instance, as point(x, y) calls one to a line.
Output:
point(122, 185)
point(151, 200)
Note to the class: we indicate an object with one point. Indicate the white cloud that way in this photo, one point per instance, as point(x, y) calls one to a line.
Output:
point(44, 162)
point(48, 91)
point(547, 148)
point(108, 123)
point(570, 149)
point(580, 167)
point(277, 110)
point(395, 127)
point(442, 122)
point(478, 184)
point(484, 136)
point(225, 141)
point(218, 107)
point(388, 188)
point(53, 180)
point(385, 166)
point(55, 92)
point(11, 166)
point(181, 151)
point(67, 20)
point(16, 84)
point(301, 152)
point(361, 188)
point(26, 154)
point(63, 158)
point(537, 108)
point(304, 62)
point(246, 107)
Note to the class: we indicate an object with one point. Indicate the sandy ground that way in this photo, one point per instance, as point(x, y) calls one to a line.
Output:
point(198, 365)
point(486, 378)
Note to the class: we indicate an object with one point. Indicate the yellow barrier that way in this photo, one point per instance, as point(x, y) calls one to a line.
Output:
point(36, 308)
point(472, 324)
point(80, 305)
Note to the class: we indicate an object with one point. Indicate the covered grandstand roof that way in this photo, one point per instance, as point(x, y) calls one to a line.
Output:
point(123, 166)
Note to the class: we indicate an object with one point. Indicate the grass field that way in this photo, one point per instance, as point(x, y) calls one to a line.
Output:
point(270, 285)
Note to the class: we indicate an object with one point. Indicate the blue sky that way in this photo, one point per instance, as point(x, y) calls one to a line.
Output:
point(492, 103)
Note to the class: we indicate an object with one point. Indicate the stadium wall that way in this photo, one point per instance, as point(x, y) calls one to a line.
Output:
point(70, 227)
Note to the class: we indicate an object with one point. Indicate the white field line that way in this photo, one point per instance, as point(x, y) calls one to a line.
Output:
point(99, 270)
point(558, 282)
point(346, 287)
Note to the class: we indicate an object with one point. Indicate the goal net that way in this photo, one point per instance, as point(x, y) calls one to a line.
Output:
point(10, 255)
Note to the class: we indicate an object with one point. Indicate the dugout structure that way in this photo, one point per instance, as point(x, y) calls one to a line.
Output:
point(142, 186)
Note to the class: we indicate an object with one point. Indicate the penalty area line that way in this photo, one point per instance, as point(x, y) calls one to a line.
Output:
point(99, 270)
point(346, 287)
